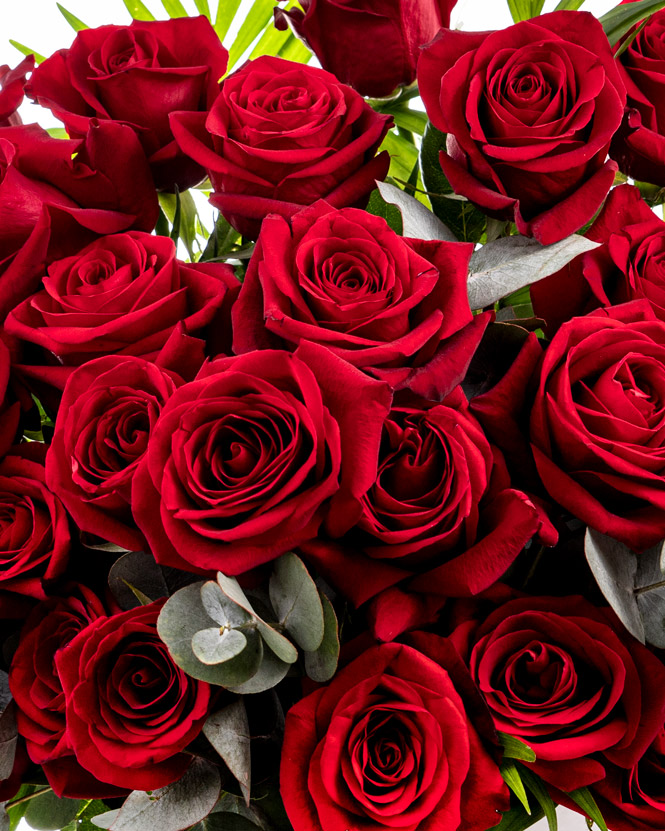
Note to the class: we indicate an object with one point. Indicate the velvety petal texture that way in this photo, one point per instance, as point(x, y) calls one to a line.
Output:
point(391, 743)
point(529, 111)
point(281, 135)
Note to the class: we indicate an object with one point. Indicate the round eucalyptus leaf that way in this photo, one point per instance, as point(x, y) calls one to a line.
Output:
point(296, 602)
point(215, 645)
point(220, 608)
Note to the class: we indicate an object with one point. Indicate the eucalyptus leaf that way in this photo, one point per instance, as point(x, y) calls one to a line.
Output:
point(417, 221)
point(296, 602)
point(47, 812)
point(136, 571)
point(231, 588)
point(173, 808)
point(228, 732)
point(216, 646)
point(281, 646)
point(181, 617)
point(8, 735)
point(511, 776)
point(621, 19)
point(321, 664)
point(506, 265)
point(270, 673)
point(221, 609)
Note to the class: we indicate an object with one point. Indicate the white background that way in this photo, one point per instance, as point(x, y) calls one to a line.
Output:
point(39, 25)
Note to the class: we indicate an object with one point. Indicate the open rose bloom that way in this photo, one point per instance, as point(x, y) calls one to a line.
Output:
point(332, 420)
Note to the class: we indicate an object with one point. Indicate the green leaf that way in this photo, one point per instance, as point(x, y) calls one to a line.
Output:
point(378, 206)
point(24, 50)
point(411, 120)
point(271, 41)
point(57, 132)
point(16, 808)
point(82, 822)
point(47, 812)
point(255, 22)
point(535, 785)
point(463, 219)
point(511, 776)
point(73, 21)
point(138, 10)
point(525, 9)
point(225, 612)
point(295, 50)
point(226, 11)
point(203, 8)
point(216, 646)
point(181, 617)
point(584, 798)
point(403, 155)
point(221, 241)
point(572, 5)
point(281, 646)
point(518, 820)
point(174, 8)
point(620, 20)
point(270, 673)
point(228, 732)
point(296, 601)
point(136, 578)
point(171, 808)
point(321, 664)
point(514, 748)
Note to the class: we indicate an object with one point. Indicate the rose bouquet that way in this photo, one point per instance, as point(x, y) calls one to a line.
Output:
point(332, 421)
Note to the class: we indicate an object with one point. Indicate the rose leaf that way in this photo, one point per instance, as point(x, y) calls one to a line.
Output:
point(508, 264)
point(228, 732)
point(296, 602)
point(47, 812)
point(172, 808)
point(134, 574)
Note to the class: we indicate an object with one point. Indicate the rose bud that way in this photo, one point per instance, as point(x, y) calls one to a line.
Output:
point(372, 45)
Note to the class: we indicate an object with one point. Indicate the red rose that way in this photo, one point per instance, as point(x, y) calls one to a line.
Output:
point(344, 279)
point(122, 294)
point(371, 45)
point(281, 135)
point(12, 83)
point(10, 409)
point(243, 462)
point(440, 512)
point(137, 75)
point(107, 411)
point(56, 196)
point(130, 711)
point(567, 679)
point(633, 799)
point(391, 742)
point(34, 531)
point(37, 690)
point(530, 111)
point(630, 265)
point(639, 146)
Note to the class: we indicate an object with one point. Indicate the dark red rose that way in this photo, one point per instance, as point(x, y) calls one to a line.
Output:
point(244, 461)
point(281, 135)
point(633, 799)
point(529, 111)
point(122, 294)
point(639, 145)
point(630, 265)
point(130, 711)
point(593, 409)
point(37, 690)
point(397, 308)
point(391, 742)
point(107, 411)
point(10, 409)
point(34, 531)
point(137, 75)
point(56, 196)
point(12, 83)
point(372, 45)
point(567, 679)
point(440, 512)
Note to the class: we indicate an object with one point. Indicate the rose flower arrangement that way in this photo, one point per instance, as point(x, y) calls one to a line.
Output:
point(332, 421)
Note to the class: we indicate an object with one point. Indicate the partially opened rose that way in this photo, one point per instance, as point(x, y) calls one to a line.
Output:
point(530, 112)
point(281, 135)
point(397, 308)
point(568, 680)
point(137, 75)
point(373, 45)
point(130, 711)
point(391, 742)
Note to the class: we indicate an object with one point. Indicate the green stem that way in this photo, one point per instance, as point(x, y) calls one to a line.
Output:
point(26, 798)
